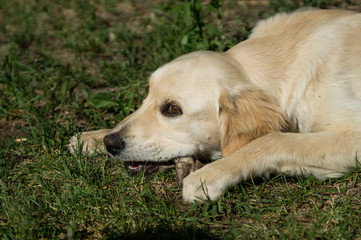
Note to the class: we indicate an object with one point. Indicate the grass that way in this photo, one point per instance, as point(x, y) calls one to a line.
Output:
point(72, 66)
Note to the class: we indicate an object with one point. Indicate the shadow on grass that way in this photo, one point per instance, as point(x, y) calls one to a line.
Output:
point(164, 232)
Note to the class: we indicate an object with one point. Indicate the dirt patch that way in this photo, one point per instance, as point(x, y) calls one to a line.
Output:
point(12, 129)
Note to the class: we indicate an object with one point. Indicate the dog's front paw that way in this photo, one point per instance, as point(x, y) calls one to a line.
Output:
point(204, 184)
point(73, 144)
point(90, 142)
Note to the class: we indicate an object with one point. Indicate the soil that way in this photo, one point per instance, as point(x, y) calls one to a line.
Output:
point(12, 129)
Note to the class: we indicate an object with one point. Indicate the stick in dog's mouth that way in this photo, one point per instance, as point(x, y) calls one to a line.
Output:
point(184, 166)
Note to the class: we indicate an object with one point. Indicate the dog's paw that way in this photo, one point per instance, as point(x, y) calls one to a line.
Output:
point(73, 144)
point(206, 183)
point(90, 142)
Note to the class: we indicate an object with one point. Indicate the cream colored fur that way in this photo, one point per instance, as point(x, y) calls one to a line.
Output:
point(288, 99)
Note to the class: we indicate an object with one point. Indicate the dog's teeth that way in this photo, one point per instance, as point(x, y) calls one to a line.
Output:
point(134, 167)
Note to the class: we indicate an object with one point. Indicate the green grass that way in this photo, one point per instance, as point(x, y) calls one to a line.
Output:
point(72, 66)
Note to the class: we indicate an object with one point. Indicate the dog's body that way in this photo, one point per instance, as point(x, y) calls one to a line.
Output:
point(288, 99)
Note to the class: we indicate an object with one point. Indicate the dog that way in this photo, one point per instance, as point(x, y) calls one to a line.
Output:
point(288, 99)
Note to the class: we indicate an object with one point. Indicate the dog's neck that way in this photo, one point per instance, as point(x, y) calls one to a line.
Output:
point(267, 70)
point(261, 67)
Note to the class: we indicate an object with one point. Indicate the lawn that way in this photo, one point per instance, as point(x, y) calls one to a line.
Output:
point(72, 66)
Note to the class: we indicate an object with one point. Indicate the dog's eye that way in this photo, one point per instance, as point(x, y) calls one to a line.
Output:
point(172, 110)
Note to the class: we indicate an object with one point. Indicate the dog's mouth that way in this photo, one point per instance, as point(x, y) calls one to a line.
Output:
point(184, 166)
point(136, 168)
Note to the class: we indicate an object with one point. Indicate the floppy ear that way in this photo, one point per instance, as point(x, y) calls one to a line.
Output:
point(247, 116)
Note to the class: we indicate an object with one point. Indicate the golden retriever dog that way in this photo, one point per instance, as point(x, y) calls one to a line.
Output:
point(287, 100)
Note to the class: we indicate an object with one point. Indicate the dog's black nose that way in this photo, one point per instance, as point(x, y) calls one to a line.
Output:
point(113, 143)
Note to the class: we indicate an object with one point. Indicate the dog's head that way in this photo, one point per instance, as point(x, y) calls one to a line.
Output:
point(200, 104)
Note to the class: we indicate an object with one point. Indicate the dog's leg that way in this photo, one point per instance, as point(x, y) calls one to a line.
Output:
point(91, 141)
point(323, 154)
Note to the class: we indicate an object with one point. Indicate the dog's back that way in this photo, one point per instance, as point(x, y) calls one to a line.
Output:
point(307, 60)
point(301, 23)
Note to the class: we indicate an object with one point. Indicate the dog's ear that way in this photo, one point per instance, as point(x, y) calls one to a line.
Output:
point(247, 116)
